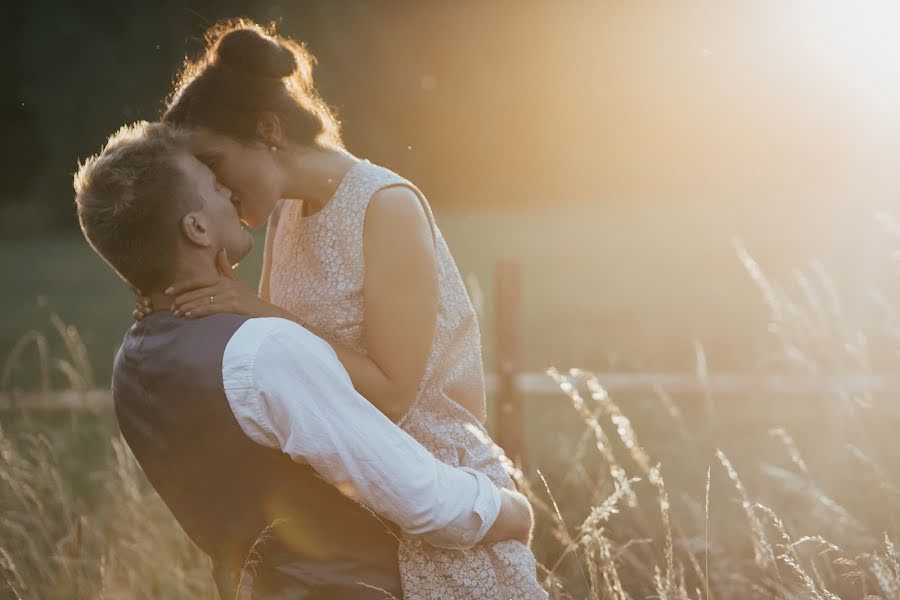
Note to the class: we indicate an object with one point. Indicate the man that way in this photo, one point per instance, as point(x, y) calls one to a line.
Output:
point(247, 426)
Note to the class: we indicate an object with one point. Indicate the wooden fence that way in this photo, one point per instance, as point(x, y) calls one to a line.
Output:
point(508, 385)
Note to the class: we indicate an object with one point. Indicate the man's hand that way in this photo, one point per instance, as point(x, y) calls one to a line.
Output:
point(514, 522)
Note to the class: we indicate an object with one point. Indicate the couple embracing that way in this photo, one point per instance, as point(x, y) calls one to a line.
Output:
point(332, 422)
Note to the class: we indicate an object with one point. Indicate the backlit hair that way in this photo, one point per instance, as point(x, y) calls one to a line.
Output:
point(244, 70)
point(130, 200)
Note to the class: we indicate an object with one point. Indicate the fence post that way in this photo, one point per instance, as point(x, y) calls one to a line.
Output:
point(509, 417)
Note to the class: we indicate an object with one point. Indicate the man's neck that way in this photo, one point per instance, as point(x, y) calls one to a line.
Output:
point(197, 267)
point(160, 301)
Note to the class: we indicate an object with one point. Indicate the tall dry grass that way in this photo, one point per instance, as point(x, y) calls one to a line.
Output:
point(53, 544)
point(635, 543)
point(74, 365)
point(785, 536)
point(714, 499)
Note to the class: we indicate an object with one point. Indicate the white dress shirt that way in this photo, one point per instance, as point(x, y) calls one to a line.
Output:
point(288, 390)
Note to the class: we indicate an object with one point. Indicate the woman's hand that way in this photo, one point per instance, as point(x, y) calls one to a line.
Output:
point(142, 304)
point(201, 297)
point(515, 521)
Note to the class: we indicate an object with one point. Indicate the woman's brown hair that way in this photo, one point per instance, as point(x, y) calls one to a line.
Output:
point(244, 70)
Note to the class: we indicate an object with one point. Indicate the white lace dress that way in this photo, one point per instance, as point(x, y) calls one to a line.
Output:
point(317, 274)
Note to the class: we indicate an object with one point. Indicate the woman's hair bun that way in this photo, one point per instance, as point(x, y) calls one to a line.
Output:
point(254, 53)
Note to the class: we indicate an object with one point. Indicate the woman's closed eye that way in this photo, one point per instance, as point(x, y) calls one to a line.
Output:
point(225, 191)
point(211, 161)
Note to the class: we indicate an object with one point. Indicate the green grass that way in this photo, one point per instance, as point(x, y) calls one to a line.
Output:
point(62, 275)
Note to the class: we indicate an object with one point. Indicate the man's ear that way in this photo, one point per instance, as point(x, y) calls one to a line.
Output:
point(268, 128)
point(195, 229)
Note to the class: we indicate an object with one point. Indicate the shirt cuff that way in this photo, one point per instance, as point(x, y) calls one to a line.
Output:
point(468, 530)
point(487, 504)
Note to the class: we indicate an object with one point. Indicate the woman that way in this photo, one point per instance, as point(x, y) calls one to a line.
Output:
point(360, 262)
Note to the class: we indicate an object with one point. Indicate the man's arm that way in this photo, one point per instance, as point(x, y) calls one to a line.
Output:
point(288, 390)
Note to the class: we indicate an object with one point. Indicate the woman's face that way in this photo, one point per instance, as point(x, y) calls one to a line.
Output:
point(250, 171)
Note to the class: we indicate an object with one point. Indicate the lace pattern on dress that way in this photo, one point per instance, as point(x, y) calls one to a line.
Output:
point(318, 273)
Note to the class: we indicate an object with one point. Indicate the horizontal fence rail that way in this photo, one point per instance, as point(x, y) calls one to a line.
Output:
point(540, 384)
point(510, 384)
point(74, 399)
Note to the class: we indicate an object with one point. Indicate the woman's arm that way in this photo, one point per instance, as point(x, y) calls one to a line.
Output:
point(401, 302)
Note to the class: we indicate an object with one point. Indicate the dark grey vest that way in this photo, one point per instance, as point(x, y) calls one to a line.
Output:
point(223, 488)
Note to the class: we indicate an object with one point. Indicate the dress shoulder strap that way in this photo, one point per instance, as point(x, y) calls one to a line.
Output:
point(376, 178)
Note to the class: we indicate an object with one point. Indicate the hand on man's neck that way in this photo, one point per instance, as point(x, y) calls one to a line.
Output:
point(198, 266)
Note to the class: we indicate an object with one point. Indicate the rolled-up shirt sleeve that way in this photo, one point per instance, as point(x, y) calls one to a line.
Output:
point(288, 390)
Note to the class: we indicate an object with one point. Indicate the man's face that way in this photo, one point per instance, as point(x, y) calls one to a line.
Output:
point(248, 170)
point(221, 214)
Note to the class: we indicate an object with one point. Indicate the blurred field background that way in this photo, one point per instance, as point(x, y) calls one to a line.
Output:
point(688, 187)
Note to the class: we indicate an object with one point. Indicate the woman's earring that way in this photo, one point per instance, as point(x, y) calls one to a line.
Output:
point(273, 148)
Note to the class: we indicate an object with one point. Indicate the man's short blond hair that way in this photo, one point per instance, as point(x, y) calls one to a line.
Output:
point(131, 198)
